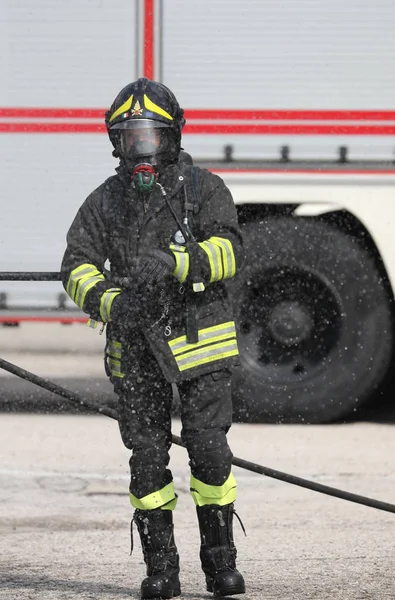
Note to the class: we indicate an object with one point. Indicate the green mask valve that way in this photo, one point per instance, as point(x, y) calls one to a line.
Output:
point(144, 177)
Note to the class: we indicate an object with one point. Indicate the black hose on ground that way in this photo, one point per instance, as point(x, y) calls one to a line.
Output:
point(238, 462)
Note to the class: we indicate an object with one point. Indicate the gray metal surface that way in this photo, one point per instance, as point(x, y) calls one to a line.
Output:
point(64, 525)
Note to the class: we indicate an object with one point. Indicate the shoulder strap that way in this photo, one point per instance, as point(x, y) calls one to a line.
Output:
point(192, 198)
point(195, 189)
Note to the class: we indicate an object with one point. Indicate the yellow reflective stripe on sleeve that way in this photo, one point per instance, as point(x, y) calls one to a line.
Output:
point(177, 248)
point(83, 288)
point(182, 266)
point(106, 303)
point(75, 276)
point(154, 500)
point(204, 494)
point(198, 287)
point(81, 280)
point(214, 258)
point(207, 335)
point(228, 257)
point(182, 262)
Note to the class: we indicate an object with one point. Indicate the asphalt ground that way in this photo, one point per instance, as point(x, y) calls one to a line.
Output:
point(65, 513)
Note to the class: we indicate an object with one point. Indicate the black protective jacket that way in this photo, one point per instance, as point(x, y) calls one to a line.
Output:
point(118, 224)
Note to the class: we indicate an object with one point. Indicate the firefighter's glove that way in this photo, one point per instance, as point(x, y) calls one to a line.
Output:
point(126, 309)
point(153, 268)
point(135, 309)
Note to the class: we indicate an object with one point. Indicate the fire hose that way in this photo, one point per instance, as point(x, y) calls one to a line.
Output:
point(238, 462)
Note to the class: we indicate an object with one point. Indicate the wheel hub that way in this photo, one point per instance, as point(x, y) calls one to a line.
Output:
point(290, 323)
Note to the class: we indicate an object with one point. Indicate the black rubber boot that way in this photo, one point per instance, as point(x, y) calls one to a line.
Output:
point(160, 553)
point(217, 551)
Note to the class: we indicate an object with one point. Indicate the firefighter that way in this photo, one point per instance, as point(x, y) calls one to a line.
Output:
point(148, 255)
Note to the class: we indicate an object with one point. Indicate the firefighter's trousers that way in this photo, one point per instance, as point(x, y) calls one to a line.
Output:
point(145, 400)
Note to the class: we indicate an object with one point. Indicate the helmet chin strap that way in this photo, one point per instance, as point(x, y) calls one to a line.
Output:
point(144, 177)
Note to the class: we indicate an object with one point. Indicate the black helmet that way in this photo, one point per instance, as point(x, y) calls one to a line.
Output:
point(144, 124)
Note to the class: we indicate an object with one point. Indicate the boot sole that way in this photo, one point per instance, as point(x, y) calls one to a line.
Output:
point(230, 591)
point(157, 594)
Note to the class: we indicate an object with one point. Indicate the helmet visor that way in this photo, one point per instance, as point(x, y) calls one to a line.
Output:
point(143, 138)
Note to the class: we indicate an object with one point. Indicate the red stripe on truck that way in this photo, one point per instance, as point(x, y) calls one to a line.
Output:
point(209, 114)
point(51, 113)
point(29, 127)
point(210, 129)
point(148, 49)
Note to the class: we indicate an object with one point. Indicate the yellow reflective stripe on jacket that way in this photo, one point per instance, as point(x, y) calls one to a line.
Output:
point(207, 355)
point(115, 366)
point(114, 349)
point(154, 500)
point(208, 335)
point(215, 343)
point(221, 258)
point(81, 280)
point(114, 355)
point(182, 262)
point(204, 494)
point(106, 303)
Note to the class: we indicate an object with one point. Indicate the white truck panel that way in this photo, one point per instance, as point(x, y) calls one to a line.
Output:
point(280, 55)
point(370, 198)
point(66, 54)
point(45, 179)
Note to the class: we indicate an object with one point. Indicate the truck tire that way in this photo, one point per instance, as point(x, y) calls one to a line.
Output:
point(314, 323)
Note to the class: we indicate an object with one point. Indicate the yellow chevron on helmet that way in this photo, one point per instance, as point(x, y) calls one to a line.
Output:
point(151, 106)
point(124, 108)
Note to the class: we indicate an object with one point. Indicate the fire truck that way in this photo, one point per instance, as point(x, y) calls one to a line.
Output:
point(292, 104)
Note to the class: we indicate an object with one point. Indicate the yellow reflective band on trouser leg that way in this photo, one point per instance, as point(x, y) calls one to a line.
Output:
point(156, 499)
point(170, 505)
point(204, 494)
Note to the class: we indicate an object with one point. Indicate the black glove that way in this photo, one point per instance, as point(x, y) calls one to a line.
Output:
point(126, 309)
point(154, 267)
point(135, 309)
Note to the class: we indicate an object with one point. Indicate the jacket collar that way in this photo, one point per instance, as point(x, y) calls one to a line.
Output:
point(172, 179)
